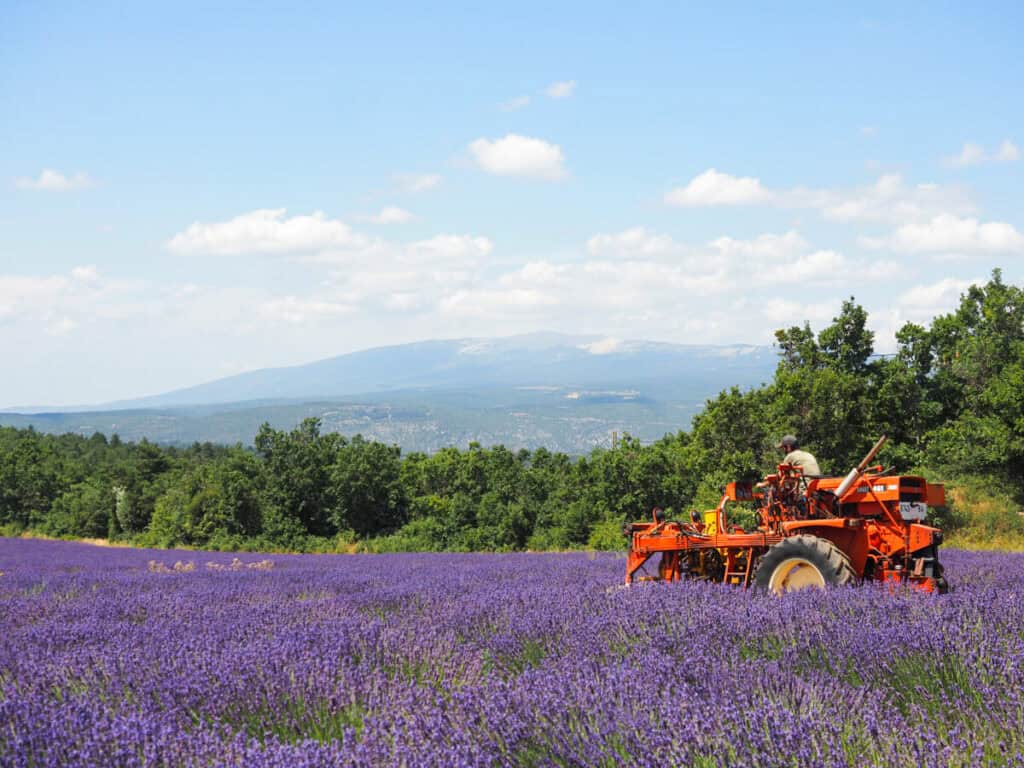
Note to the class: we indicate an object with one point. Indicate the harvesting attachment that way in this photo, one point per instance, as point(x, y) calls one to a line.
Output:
point(809, 532)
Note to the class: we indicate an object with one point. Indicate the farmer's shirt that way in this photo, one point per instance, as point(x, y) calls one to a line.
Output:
point(804, 460)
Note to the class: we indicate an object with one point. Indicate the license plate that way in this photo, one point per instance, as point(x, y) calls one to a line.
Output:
point(913, 510)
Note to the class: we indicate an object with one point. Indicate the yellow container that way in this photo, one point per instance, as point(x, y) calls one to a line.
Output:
point(711, 522)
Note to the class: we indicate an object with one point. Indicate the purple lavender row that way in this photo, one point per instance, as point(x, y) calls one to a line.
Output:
point(118, 657)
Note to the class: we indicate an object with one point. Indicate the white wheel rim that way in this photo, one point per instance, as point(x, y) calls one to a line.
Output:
point(795, 573)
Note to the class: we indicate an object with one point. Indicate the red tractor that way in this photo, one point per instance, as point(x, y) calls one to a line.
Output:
point(810, 532)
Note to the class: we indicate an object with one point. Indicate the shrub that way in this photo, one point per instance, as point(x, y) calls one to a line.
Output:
point(607, 535)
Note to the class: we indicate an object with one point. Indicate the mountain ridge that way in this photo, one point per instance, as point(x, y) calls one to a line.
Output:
point(565, 392)
point(545, 358)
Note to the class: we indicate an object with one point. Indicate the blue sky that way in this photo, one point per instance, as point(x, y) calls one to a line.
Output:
point(187, 192)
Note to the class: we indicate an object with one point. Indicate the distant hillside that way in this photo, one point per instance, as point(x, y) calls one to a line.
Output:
point(467, 364)
point(564, 392)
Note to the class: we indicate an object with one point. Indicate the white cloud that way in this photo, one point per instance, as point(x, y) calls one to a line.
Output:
point(446, 248)
point(390, 215)
point(790, 312)
point(920, 304)
point(295, 310)
point(517, 103)
point(819, 266)
point(888, 199)
point(561, 90)
point(537, 273)
point(1008, 152)
point(633, 242)
point(773, 258)
point(952, 234)
point(366, 274)
point(495, 302)
point(714, 188)
point(516, 155)
point(606, 346)
point(21, 294)
point(971, 154)
point(266, 231)
point(637, 285)
point(60, 326)
point(788, 259)
point(766, 246)
point(869, 130)
point(419, 182)
point(54, 181)
point(828, 267)
point(411, 276)
point(59, 303)
point(864, 205)
point(937, 297)
point(974, 154)
point(87, 273)
point(640, 297)
point(403, 301)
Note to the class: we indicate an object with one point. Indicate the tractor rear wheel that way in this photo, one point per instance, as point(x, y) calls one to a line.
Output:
point(800, 562)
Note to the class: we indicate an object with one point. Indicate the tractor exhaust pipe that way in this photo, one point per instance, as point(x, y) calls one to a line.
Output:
point(857, 471)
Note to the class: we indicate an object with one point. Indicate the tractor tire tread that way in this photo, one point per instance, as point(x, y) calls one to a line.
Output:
point(839, 570)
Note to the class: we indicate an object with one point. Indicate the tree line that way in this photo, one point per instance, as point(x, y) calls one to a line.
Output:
point(951, 400)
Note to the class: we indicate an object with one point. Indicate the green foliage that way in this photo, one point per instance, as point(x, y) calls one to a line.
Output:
point(28, 483)
point(982, 515)
point(730, 439)
point(847, 343)
point(607, 535)
point(971, 363)
point(546, 539)
point(365, 483)
point(170, 523)
point(424, 535)
point(11, 530)
point(84, 509)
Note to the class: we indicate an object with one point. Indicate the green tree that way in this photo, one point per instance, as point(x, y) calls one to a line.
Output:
point(298, 482)
point(365, 483)
point(847, 343)
point(84, 510)
point(970, 364)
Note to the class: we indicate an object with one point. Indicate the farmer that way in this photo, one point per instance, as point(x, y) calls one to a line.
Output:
point(791, 447)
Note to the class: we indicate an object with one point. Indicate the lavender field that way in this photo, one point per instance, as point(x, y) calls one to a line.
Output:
point(116, 657)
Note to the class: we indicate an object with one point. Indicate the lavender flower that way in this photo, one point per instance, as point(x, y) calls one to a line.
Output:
point(484, 660)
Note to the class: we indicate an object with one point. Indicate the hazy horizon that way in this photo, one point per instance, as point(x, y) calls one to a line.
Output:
point(603, 345)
